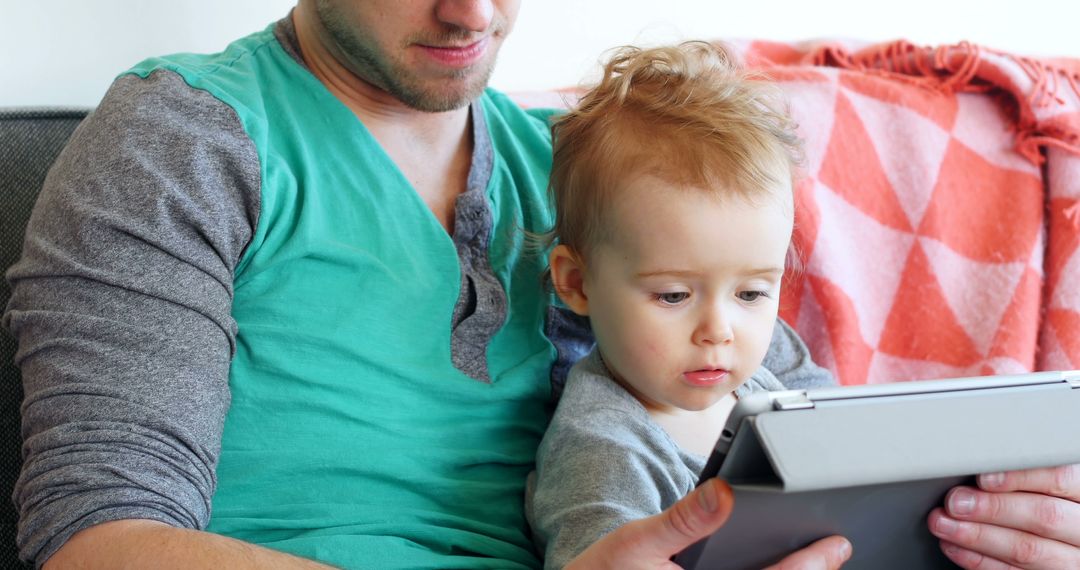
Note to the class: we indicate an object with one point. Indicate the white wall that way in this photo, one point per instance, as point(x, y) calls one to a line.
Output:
point(65, 52)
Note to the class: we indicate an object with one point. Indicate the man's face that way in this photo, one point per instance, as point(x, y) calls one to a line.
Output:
point(432, 55)
point(683, 295)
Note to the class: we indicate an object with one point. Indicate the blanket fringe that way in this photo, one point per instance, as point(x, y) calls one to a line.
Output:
point(956, 68)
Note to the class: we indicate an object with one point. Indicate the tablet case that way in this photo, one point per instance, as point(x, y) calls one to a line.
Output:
point(871, 462)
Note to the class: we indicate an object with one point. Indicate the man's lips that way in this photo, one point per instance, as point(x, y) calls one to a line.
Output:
point(710, 377)
point(457, 56)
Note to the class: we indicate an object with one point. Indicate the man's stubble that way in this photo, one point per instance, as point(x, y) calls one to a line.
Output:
point(458, 87)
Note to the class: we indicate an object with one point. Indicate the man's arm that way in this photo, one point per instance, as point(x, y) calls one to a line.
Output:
point(121, 308)
point(150, 544)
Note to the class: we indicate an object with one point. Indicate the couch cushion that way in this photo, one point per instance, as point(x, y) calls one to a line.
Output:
point(30, 140)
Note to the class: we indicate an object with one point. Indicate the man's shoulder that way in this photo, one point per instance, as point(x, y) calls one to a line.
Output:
point(235, 59)
point(235, 89)
point(519, 113)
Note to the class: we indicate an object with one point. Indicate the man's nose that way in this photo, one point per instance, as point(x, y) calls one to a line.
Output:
point(471, 15)
point(714, 327)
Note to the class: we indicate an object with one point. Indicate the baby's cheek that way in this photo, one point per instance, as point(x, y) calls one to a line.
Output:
point(653, 356)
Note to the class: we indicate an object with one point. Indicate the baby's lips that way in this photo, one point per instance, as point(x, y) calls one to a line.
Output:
point(706, 377)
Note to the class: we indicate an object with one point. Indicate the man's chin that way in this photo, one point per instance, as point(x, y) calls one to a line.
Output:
point(441, 95)
point(440, 104)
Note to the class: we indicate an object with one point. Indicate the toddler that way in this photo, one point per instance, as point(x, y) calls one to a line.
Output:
point(674, 212)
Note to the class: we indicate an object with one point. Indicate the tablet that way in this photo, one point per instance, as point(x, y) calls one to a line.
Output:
point(871, 462)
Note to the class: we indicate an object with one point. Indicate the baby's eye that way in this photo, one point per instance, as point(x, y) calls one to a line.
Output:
point(751, 296)
point(673, 298)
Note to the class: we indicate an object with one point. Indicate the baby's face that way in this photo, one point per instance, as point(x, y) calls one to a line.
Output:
point(683, 292)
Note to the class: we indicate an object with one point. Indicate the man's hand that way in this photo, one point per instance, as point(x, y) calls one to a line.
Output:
point(1019, 519)
point(650, 543)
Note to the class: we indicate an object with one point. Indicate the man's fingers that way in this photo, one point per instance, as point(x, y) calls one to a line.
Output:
point(1013, 547)
point(1061, 481)
point(1035, 513)
point(970, 560)
point(826, 554)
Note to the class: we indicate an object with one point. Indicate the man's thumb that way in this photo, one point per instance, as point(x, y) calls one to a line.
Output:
point(693, 518)
point(652, 541)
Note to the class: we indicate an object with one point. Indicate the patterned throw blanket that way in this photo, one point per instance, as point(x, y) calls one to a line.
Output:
point(938, 217)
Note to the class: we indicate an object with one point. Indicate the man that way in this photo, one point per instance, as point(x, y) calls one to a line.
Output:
point(288, 278)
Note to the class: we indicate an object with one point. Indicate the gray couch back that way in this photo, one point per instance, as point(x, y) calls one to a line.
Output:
point(30, 140)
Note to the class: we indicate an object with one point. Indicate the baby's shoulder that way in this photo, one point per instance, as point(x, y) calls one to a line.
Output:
point(597, 416)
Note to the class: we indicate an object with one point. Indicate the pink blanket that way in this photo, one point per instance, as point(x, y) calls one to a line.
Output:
point(938, 217)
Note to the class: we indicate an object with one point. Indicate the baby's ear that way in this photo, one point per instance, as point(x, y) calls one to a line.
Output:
point(568, 277)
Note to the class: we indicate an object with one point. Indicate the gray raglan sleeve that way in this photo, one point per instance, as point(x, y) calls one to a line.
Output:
point(595, 473)
point(789, 360)
point(121, 309)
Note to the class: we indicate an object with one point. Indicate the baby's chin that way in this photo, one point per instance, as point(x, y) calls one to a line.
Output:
point(703, 405)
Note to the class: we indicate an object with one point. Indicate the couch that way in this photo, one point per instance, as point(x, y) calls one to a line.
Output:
point(30, 139)
point(937, 215)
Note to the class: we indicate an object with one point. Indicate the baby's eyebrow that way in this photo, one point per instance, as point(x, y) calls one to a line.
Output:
point(668, 273)
point(765, 271)
point(769, 271)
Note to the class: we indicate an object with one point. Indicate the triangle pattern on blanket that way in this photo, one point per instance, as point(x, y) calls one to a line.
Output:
point(1002, 365)
point(811, 317)
point(1067, 294)
point(1063, 324)
point(864, 268)
point(1062, 260)
point(1017, 333)
point(852, 169)
point(920, 300)
point(978, 312)
point(1064, 176)
point(851, 353)
point(980, 121)
point(1053, 351)
point(976, 203)
point(910, 147)
point(933, 171)
point(1063, 254)
point(932, 104)
point(812, 104)
point(886, 368)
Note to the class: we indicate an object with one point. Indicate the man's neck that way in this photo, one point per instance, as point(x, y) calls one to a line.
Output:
point(432, 150)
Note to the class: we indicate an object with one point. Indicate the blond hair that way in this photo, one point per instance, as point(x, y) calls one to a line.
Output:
point(686, 114)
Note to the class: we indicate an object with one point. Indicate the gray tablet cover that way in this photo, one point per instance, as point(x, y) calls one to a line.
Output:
point(871, 462)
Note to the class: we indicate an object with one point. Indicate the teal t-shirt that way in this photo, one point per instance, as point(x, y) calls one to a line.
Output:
point(351, 437)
